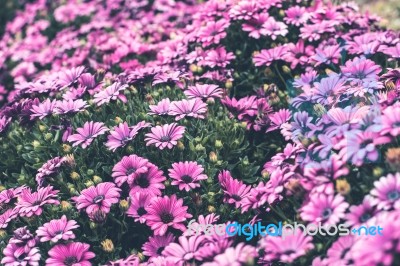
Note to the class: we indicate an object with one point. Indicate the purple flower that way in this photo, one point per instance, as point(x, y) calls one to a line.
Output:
point(162, 107)
point(266, 57)
point(69, 107)
point(112, 92)
point(156, 244)
point(186, 175)
point(16, 255)
point(43, 109)
point(361, 69)
point(32, 203)
point(57, 229)
point(188, 108)
point(203, 91)
point(234, 190)
point(87, 134)
point(386, 192)
point(165, 136)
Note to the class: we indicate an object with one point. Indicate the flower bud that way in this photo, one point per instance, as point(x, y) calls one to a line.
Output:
point(118, 120)
point(42, 128)
point(343, 187)
point(36, 144)
point(130, 149)
point(92, 225)
point(211, 209)
point(65, 205)
point(286, 69)
point(2, 188)
point(213, 157)
point(107, 245)
point(200, 147)
point(90, 172)
point(180, 145)
point(66, 148)
point(89, 183)
point(141, 256)
point(3, 234)
point(377, 171)
point(75, 176)
point(193, 68)
point(218, 144)
point(70, 160)
point(393, 159)
point(73, 191)
point(123, 205)
point(98, 216)
point(97, 179)
point(228, 84)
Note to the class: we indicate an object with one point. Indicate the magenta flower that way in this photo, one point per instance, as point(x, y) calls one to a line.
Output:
point(122, 134)
point(57, 230)
point(255, 25)
point(4, 121)
point(203, 91)
point(218, 57)
point(361, 69)
point(185, 251)
point(239, 255)
point(43, 109)
point(327, 209)
point(285, 249)
point(128, 168)
point(16, 255)
point(234, 190)
point(50, 168)
point(7, 217)
point(165, 136)
point(156, 244)
point(69, 106)
point(274, 28)
point(188, 108)
point(165, 212)
point(87, 133)
point(213, 32)
point(340, 251)
point(297, 15)
point(298, 54)
point(112, 92)
point(99, 197)
point(186, 175)
point(391, 121)
point(329, 54)
point(74, 253)
point(149, 182)
point(266, 57)
point(278, 119)
point(30, 204)
point(162, 108)
point(69, 76)
point(386, 192)
point(23, 238)
point(138, 203)
point(360, 214)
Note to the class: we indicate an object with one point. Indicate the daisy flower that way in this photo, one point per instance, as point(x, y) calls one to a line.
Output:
point(112, 92)
point(23, 238)
point(386, 192)
point(327, 209)
point(138, 203)
point(239, 255)
point(390, 120)
point(186, 175)
point(360, 214)
point(4, 121)
point(218, 57)
point(87, 133)
point(161, 108)
point(73, 253)
point(266, 57)
point(213, 32)
point(56, 230)
point(203, 91)
point(361, 69)
point(99, 197)
point(296, 15)
point(274, 28)
point(149, 182)
point(185, 251)
point(156, 244)
point(165, 136)
point(69, 76)
point(128, 168)
point(234, 190)
point(16, 255)
point(32, 203)
point(122, 134)
point(255, 25)
point(48, 169)
point(165, 212)
point(7, 216)
point(195, 108)
point(43, 109)
point(339, 253)
point(70, 106)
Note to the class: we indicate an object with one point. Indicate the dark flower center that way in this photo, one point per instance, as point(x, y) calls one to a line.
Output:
point(365, 143)
point(165, 138)
point(167, 217)
point(236, 197)
point(130, 171)
point(365, 217)
point(326, 213)
point(142, 181)
point(59, 232)
point(393, 195)
point(70, 260)
point(160, 250)
point(98, 199)
point(288, 252)
point(141, 211)
point(344, 253)
point(187, 179)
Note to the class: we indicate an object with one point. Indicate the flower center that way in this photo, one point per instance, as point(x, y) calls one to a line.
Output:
point(393, 195)
point(98, 199)
point(130, 171)
point(141, 211)
point(69, 261)
point(59, 232)
point(167, 217)
point(326, 213)
point(165, 138)
point(142, 181)
point(187, 179)
point(365, 217)
point(236, 197)
point(160, 250)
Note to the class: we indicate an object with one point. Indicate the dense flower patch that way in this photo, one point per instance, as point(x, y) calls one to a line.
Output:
point(124, 120)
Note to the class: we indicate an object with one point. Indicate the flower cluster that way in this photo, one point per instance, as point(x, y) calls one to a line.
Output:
point(123, 120)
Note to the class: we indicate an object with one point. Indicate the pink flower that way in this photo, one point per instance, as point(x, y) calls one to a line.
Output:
point(23, 238)
point(16, 255)
point(49, 169)
point(149, 182)
point(255, 25)
point(185, 251)
point(297, 15)
point(234, 190)
point(32, 203)
point(7, 217)
point(69, 106)
point(165, 136)
point(266, 57)
point(74, 253)
point(278, 119)
point(165, 212)
point(361, 69)
point(128, 168)
point(327, 209)
point(360, 214)
point(234, 256)
point(43, 109)
point(188, 108)
point(70, 76)
point(391, 121)
point(329, 54)
point(285, 249)
point(298, 53)
point(218, 58)
point(203, 91)
point(87, 133)
point(4, 121)
point(339, 253)
point(99, 197)
point(274, 28)
point(112, 92)
point(162, 108)
point(57, 230)
point(386, 192)
point(213, 32)
point(139, 201)
point(156, 244)
point(186, 175)
point(122, 134)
